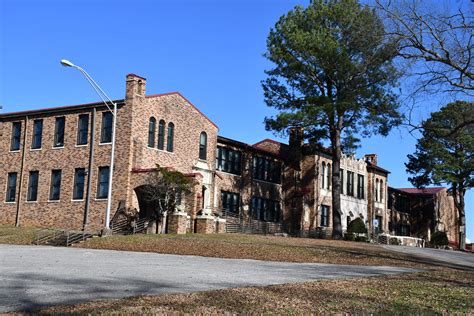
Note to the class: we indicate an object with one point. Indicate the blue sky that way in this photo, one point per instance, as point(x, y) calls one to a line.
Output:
point(210, 51)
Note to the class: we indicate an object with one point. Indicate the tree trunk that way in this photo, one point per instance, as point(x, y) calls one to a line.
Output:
point(458, 196)
point(336, 184)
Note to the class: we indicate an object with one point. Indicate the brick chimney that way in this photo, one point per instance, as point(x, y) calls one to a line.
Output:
point(372, 158)
point(135, 86)
point(296, 137)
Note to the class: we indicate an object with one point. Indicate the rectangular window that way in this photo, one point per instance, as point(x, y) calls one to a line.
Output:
point(350, 183)
point(55, 187)
point(360, 186)
point(266, 169)
point(33, 186)
point(37, 134)
point(342, 181)
point(79, 180)
point(230, 202)
point(16, 136)
point(228, 160)
point(82, 129)
point(324, 215)
point(59, 131)
point(103, 183)
point(265, 209)
point(106, 131)
point(11, 187)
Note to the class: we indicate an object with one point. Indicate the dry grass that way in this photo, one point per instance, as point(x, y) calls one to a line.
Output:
point(240, 246)
point(17, 235)
point(437, 292)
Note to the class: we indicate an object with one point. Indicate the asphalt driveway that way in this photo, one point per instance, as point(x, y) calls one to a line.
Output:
point(36, 276)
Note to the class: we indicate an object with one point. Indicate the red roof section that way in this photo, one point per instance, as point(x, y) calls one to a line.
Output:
point(179, 94)
point(422, 191)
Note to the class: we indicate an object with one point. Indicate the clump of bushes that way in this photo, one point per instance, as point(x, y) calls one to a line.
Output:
point(394, 241)
point(355, 228)
point(439, 239)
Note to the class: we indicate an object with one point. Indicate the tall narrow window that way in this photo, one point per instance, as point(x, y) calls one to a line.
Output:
point(381, 191)
point(230, 202)
point(79, 180)
point(324, 215)
point(360, 186)
point(103, 183)
point(37, 134)
point(16, 136)
point(377, 190)
point(82, 129)
point(350, 183)
point(33, 186)
point(170, 139)
point(328, 176)
point(55, 188)
point(161, 135)
point(342, 180)
point(11, 187)
point(59, 131)
point(106, 131)
point(203, 146)
point(323, 173)
point(151, 132)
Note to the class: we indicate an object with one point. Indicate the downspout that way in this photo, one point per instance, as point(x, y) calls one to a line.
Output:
point(90, 170)
point(23, 152)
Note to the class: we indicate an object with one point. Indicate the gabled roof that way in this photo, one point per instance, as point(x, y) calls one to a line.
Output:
point(179, 94)
point(245, 146)
point(423, 191)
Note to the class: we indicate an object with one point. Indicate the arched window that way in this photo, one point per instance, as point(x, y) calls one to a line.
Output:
point(381, 191)
point(169, 142)
point(203, 146)
point(161, 135)
point(151, 132)
point(377, 190)
point(323, 172)
point(328, 176)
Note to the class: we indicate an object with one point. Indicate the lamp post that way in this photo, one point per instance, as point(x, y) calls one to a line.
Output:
point(104, 98)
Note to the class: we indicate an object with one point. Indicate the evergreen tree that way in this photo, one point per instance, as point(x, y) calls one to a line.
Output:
point(333, 75)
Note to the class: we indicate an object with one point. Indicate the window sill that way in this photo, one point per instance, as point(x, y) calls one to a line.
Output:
point(54, 201)
point(103, 144)
point(274, 183)
point(82, 145)
point(100, 199)
point(35, 149)
point(14, 151)
point(230, 173)
point(31, 202)
point(57, 147)
point(73, 200)
point(9, 202)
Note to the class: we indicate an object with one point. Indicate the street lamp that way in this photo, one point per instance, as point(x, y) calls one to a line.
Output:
point(105, 98)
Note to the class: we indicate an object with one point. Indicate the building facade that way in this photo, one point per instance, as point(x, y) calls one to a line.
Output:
point(55, 170)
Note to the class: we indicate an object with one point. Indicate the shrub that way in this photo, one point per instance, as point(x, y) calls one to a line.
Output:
point(349, 236)
point(357, 226)
point(394, 241)
point(439, 239)
point(361, 238)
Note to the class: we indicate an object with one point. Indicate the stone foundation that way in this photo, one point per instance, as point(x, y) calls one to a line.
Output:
point(220, 225)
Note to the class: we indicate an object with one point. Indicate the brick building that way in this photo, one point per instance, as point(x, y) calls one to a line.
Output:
point(55, 169)
point(421, 212)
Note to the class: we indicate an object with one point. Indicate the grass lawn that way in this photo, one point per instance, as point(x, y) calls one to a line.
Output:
point(443, 291)
point(17, 236)
point(439, 290)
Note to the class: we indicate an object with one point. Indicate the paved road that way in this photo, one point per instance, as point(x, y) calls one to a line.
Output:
point(455, 259)
point(35, 276)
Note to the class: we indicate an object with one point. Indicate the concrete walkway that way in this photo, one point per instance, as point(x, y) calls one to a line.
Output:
point(448, 258)
point(36, 276)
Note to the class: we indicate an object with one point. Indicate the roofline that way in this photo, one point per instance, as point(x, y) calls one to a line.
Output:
point(179, 94)
point(56, 109)
point(248, 147)
point(417, 193)
point(269, 140)
point(369, 165)
point(134, 75)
